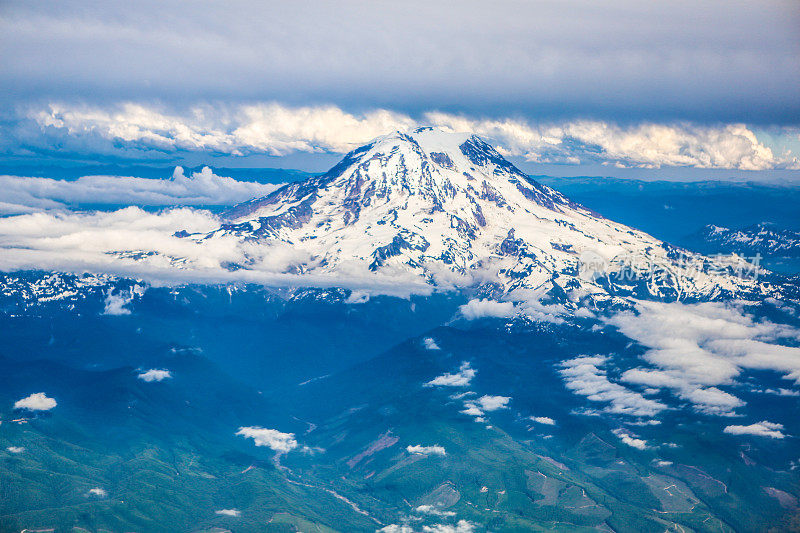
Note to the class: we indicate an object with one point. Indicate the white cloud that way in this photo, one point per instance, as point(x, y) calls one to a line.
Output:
point(115, 304)
point(460, 379)
point(430, 344)
point(782, 392)
point(697, 348)
point(647, 145)
point(585, 376)
point(396, 528)
point(155, 374)
point(493, 403)
point(711, 400)
point(472, 410)
point(533, 308)
point(276, 129)
point(426, 450)
point(546, 420)
point(268, 128)
point(271, 438)
point(484, 308)
point(357, 297)
point(432, 510)
point(36, 402)
point(15, 449)
point(462, 526)
point(760, 429)
point(24, 194)
point(98, 492)
point(484, 404)
point(630, 440)
point(228, 512)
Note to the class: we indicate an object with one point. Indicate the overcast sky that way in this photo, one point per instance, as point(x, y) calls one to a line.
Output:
point(327, 75)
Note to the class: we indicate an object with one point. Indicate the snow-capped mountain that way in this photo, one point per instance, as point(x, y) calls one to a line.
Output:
point(765, 239)
point(448, 209)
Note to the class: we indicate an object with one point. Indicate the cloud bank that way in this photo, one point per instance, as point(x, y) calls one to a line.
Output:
point(277, 129)
point(134, 243)
point(27, 194)
point(586, 376)
point(695, 349)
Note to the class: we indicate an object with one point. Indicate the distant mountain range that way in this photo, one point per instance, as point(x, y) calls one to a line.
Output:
point(765, 239)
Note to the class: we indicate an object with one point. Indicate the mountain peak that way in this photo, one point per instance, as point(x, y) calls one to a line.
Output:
point(429, 163)
point(459, 152)
point(447, 209)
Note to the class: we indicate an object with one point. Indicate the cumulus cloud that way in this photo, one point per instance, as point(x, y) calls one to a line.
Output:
point(15, 449)
point(760, 429)
point(229, 512)
point(630, 440)
point(493, 403)
point(472, 410)
point(155, 374)
point(268, 128)
point(484, 308)
point(426, 450)
point(586, 376)
point(546, 420)
point(25, 194)
point(484, 404)
point(646, 145)
point(36, 402)
point(430, 344)
point(98, 492)
point(276, 129)
point(271, 438)
point(462, 378)
point(694, 349)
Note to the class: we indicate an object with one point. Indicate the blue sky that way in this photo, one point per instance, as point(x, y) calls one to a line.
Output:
point(564, 87)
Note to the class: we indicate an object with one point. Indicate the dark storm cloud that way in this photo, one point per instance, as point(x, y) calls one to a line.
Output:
point(718, 61)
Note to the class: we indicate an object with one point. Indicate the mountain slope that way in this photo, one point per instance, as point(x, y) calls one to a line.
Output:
point(447, 210)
